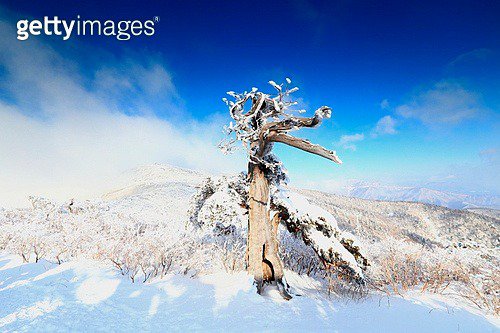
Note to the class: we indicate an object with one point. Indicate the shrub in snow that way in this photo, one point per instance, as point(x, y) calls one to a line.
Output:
point(93, 230)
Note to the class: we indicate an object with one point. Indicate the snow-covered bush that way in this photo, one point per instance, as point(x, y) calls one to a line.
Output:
point(92, 230)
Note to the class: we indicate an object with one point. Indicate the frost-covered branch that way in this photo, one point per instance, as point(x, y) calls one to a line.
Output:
point(266, 120)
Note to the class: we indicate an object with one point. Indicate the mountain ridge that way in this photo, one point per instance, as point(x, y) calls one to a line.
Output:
point(447, 199)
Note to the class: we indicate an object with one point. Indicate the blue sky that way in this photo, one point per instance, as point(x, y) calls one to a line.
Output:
point(414, 85)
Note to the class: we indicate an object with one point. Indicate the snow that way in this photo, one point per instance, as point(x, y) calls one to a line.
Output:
point(88, 296)
point(299, 207)
point(326, 243)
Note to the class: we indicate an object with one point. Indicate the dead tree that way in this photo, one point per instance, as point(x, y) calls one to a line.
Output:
point(260, 120)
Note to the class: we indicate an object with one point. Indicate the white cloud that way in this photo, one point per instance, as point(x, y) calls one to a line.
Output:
point(385, 125)
point(346, 141)
point(444, 103)
point(65, 135)
point(384, 105)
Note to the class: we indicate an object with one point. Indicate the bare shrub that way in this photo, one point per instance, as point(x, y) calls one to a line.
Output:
point(93, 230)
point(402, 266)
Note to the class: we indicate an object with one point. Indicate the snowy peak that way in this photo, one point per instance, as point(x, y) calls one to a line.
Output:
point(149, 176)
point(163, 173)
point(421, 194)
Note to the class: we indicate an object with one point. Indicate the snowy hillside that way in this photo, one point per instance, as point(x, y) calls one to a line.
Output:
point(426, 224)
point(432, 268)
point(374, 191)
point(495, 213)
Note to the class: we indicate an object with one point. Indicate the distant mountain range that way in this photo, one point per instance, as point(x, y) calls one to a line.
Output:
point(376, 191)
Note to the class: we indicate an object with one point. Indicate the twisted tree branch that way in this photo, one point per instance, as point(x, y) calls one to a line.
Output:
point(305, 146)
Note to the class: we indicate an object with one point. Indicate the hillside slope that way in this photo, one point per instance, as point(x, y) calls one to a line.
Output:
point(141, 223)
point(424, 223)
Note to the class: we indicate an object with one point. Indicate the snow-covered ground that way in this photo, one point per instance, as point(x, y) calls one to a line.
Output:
point(88, 296)
point(144, 217)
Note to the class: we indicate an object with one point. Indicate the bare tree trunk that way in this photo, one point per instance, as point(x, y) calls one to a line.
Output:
point(262, 246)
point(258, 222)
